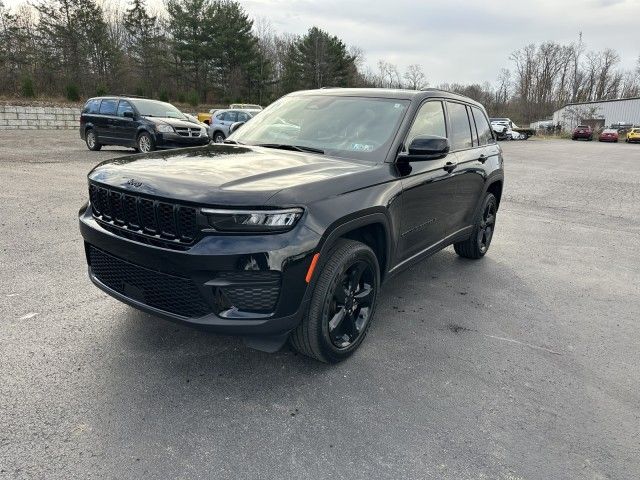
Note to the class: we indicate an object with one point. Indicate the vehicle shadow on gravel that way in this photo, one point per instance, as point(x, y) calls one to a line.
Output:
point(428, 299)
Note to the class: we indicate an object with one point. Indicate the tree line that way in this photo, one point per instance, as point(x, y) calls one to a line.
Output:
point(212, 52)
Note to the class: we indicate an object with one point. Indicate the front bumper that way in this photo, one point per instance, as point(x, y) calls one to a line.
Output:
point(221, 283)
point(174, 140)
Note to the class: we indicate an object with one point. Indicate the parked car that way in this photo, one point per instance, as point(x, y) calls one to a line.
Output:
point(194, 119)
point(608, 135)
point(633, 135)
point(288, 230)
point(505, 129)
point(245, 106)
point(206, 117)
point(221, 122)
point(582, 131)
point(139, 123)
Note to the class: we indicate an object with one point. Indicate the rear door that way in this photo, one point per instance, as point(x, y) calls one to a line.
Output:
point(105, 120)
point(469, 155)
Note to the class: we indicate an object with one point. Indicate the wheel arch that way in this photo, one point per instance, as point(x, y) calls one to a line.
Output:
point(495, 188)
point(372, 229)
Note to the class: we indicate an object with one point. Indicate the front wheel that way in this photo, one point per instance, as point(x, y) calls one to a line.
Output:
point(145, 143)
point(342, 304)
point(218, 137)
point(478, 243)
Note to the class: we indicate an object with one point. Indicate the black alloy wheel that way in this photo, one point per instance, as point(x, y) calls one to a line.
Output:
point(487, 225)
point(350, 307)
point(342, 304)
point(480, 239)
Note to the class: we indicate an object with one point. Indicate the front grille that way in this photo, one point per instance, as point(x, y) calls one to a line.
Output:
point(188, 132)
point(169, 293)
point(166, 222)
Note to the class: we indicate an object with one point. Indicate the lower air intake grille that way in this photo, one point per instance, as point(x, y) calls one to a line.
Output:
point(252, 291)
point(165, 292)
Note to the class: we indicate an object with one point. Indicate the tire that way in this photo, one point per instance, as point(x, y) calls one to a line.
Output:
point(336, 322)
point(145, 143)
point(477, 245)
point(91, 140)
point(218, 137)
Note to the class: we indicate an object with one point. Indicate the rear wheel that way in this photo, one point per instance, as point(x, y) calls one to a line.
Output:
point(91, 140)
point(145, 143)
point(478, 243)
point(342, 304)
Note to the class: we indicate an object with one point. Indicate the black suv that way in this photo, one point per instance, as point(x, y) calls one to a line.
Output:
point(288, 229)
point(139, 123)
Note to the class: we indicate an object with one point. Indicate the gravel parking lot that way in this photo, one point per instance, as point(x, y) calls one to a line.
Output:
point(524, 365)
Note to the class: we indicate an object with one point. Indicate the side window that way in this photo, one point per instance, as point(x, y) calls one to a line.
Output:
point(124, 106)
point(108, 107)
point(243, 117)
point(460, 135)
point(429, 121)
point(92, 106)
point(482, 124)
point(220, 117)
point(474, 129)
point(231, 116)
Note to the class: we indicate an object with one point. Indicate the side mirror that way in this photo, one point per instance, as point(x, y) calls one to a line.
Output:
point(129, 114)
point(428, 147)
point(235, 126)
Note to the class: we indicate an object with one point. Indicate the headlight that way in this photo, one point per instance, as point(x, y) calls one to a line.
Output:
point(253, 220)
point(164, 128)
point(203, 131)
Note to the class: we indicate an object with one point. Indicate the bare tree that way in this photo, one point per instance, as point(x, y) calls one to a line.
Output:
point(415, 77)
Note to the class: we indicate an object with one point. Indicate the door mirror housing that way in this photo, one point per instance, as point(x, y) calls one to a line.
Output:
point(427, 147)
point(235, 126)
point(129, 114)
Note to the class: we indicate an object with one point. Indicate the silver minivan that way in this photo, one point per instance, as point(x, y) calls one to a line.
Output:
point(222, 120)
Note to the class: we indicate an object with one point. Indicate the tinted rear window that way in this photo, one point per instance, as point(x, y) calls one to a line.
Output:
point(482, 125)
point(92, 106)
point(108, 107)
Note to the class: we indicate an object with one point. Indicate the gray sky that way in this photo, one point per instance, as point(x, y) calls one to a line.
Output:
point(455, 40)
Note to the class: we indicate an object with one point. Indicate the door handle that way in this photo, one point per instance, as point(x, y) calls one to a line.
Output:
point(450, 166)
point(482, 158)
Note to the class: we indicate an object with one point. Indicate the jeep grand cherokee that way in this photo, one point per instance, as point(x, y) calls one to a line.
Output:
point(288, 230)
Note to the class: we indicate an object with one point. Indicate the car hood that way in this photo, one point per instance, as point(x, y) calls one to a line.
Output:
point(233, 175)
point(174, 122)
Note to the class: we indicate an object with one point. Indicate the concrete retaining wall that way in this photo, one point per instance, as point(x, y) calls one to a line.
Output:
point(31, 118)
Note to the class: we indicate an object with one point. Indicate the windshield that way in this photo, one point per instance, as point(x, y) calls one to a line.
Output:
point(152, 108)
point(351, 127)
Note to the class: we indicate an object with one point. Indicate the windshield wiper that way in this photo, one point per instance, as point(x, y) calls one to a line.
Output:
point(232, 142)
point(295, 148)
